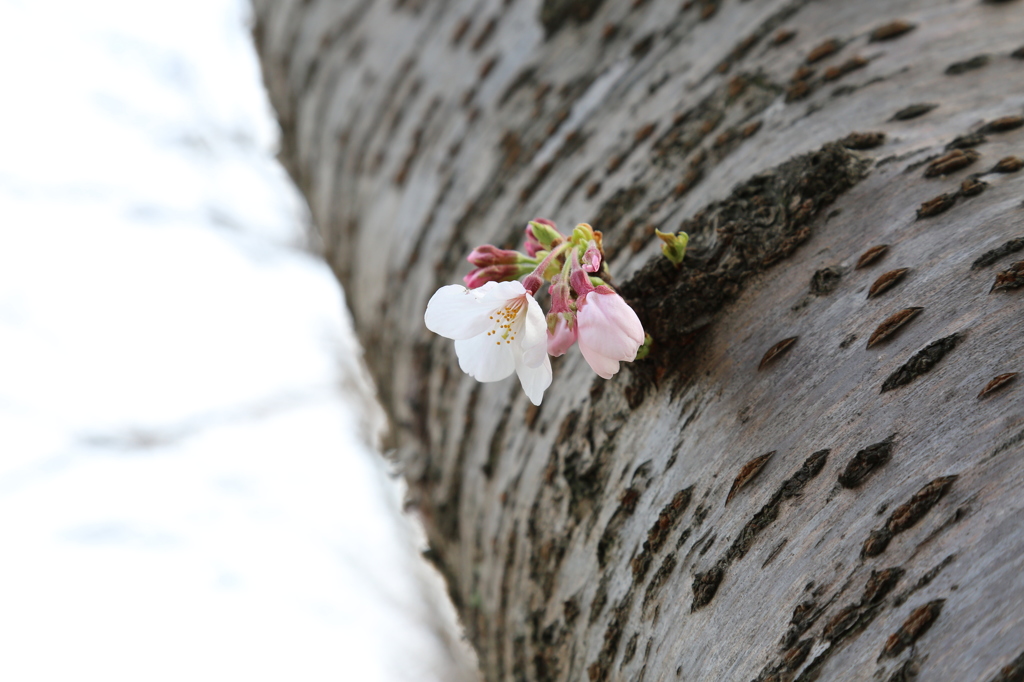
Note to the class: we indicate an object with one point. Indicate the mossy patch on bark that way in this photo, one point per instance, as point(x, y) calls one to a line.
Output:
point(763, 221)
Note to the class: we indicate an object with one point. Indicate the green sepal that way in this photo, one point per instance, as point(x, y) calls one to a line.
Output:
point(581, 235)
point(645, 348)
point(548, 236)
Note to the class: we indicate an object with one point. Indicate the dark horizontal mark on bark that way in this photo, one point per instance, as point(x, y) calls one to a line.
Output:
point(951, 161)
point(1010, 278)
point(907, 515)
point(997, 383)
point(775, 351)
point(936, 205)
point(1002, 124)
point(968, 141)
point(972, 187)
point(1005, 249)
point(957, 68)
point(1008, 164)
point(863, 140)
point(916, 624)
point(866, 461)
point(846, 623)
point(659, 532)
point(892, 324)
point(748, 472)
point(871, 255)
point(893, 29)
point(881, 583)
point(913, 111)
point(705, 584)
point(921, 362)
point(886, 281)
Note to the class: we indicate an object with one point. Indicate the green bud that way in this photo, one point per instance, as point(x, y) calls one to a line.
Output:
point(674, 247)
point(546, 235)
point(581, 235)
point(645, 349)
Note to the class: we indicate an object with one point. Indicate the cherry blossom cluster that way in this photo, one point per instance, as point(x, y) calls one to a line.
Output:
point(498, 325)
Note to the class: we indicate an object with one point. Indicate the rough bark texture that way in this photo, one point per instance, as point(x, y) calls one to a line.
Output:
point(589, 538)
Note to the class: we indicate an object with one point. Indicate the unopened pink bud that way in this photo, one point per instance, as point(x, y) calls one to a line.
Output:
point(561, 295)
point(492, 273)
point(483, 256)
point(592, 258)
point(533, 282)
point(542, 235)
point(579, 278)
point(533, 247)
point(562, 334)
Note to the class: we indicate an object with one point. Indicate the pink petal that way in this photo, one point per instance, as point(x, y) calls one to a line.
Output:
point(592, 258)
point(604, 366)
point(610, 327)
point(562, 338)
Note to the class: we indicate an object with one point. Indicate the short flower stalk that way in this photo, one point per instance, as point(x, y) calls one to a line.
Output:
point(498, 325)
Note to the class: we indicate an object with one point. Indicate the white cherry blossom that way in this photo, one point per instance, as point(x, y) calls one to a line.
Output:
point(498, 329)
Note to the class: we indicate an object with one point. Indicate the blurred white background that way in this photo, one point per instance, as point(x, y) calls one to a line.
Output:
point(184, 490)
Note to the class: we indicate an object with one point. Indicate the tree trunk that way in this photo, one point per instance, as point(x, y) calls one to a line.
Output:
point(616, 532)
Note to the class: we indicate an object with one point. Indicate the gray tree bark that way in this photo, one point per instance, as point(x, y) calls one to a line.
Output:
point(623, 530)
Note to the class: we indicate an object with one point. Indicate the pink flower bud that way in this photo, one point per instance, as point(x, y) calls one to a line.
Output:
point(493, 273)
point(483, 256)
point(561, 334)
point(562, 318)
point(578, 277)
point(533, 282)
point(609, 332)
point(542, 235)
point(592, 258)
point(561, 295)
point(533, 246)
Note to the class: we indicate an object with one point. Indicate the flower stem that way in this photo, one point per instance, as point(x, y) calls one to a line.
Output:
point(535, 280)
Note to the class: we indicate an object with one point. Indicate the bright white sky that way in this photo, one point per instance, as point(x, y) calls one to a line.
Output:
point(182, 496)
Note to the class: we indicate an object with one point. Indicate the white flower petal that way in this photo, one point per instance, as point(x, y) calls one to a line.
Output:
point(456, 312)
point(488, 350)
point(484, 358)
point(535, 380)
point(496, 295)
point(534, 334)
